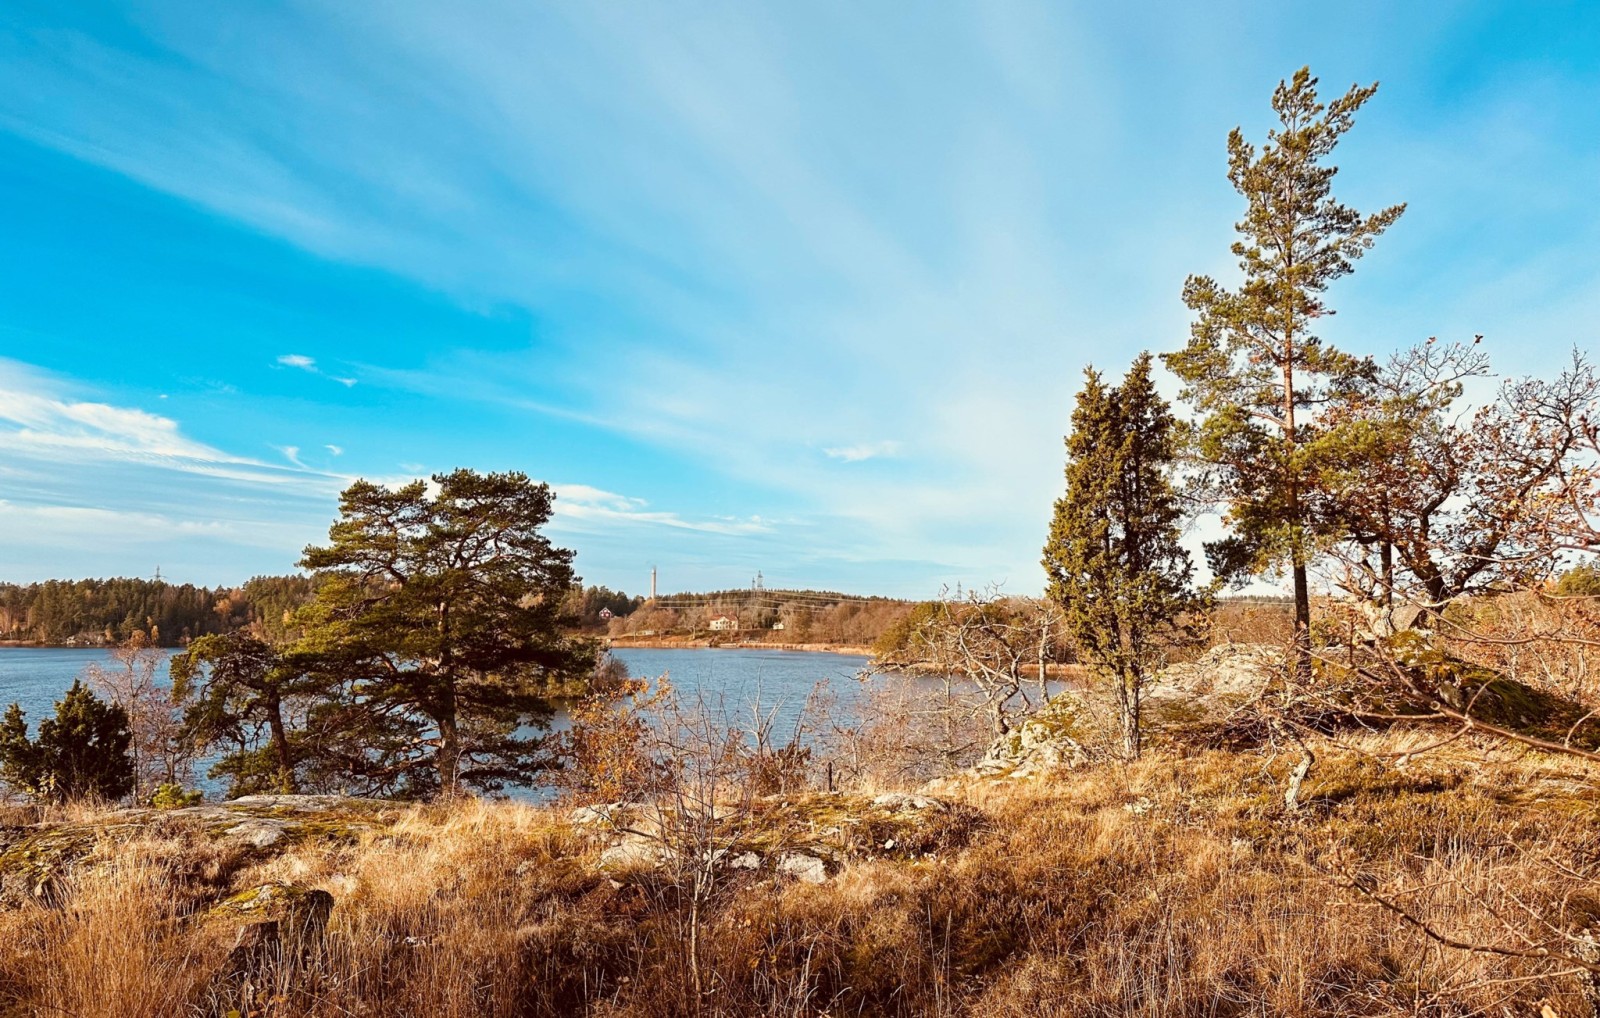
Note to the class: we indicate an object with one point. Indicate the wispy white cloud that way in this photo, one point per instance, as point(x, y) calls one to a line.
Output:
point(309, 364)
point(119, 492)
point(580, 504)
point(863, 451)
point(86, 527)
point(41, 420)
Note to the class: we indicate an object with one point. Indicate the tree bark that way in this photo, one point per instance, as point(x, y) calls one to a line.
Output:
point(1297, 535)
point(1128, 706)
point(449, 759)
point(280, 745)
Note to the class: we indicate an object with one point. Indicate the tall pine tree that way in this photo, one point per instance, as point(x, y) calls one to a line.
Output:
point(1254, 367)
point(439, 617)
point(1113, 558)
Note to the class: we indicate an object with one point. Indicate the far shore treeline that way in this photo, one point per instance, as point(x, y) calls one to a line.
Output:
point(109, 612)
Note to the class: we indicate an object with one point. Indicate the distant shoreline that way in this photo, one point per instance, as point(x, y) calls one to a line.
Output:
point(613, 642)
point(690, 643)
point(39, 645)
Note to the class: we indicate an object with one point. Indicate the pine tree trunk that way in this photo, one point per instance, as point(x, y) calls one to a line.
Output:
point(280, 746)
point(449, 761)
point(1302, 621)
point(1297, 534)
point(449, 756)
point(449, 736)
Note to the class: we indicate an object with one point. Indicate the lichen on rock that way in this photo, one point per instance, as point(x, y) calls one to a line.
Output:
point(35, 860)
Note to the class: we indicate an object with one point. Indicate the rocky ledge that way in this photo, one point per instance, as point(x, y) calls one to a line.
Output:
point(1070, 730)
point(808, 837)
point(34, 859)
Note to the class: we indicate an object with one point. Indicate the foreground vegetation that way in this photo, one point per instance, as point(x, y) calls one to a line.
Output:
point(1177, 885)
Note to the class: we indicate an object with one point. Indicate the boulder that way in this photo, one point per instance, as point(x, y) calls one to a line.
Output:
point(907, 802)
point(608, 814)
point(1230, 671)
point(780, 833)
point(1046, 741)
point(634, 852)
point(258, 833)
point(272, 926)
point(804, 868)
point(296, 914)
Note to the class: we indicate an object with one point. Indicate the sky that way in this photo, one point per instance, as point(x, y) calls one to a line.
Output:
point(797, 288)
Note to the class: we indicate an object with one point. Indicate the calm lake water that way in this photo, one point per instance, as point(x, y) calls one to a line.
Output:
point(729, 680)
point(37, 676)
point(731, 683)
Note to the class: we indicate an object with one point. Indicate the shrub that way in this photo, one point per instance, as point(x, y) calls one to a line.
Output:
point(173, 796)
point(81, 753)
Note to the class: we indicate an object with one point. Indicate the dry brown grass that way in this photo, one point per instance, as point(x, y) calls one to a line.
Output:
point(1173, 887)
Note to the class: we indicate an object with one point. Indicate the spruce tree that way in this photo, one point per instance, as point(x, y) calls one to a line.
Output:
point(1114, 560)
point(1254, 367)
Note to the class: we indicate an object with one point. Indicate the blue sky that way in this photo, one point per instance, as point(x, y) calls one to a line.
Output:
point(798, 287)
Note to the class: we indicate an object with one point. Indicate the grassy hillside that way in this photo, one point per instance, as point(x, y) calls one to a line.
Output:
point(1175, 886)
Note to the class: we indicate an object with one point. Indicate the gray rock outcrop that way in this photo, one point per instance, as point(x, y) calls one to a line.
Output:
point(1233, 671)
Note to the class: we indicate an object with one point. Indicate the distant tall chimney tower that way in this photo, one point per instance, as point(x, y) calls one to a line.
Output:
point(652, 583)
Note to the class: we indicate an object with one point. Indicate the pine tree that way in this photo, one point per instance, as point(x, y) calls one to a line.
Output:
point(235, 687)
point(81, 753)
point(1254, 368)
point(1114, 560)
point(439, 618)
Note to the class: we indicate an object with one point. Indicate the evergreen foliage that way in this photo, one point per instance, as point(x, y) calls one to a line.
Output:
point(236, 687)
point(81, 753)
point(1113, 557)
point(1254, 367)
point(437, 629)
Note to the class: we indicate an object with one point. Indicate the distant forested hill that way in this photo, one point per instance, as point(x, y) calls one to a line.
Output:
point(106, 611)
point(788, 616)
point(103, 612)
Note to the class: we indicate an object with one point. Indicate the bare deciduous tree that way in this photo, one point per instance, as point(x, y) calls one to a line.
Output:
point(159, 753)
point(1429, 501)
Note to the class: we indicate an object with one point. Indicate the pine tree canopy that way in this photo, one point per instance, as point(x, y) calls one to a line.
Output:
point(439, 615)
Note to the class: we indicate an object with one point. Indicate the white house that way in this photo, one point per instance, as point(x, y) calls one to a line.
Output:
point(605, 613)
point(777, 626)
point(723, 623)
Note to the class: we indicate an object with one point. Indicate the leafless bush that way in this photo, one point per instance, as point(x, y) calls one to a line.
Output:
point(158, 749)
point(911, 728)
